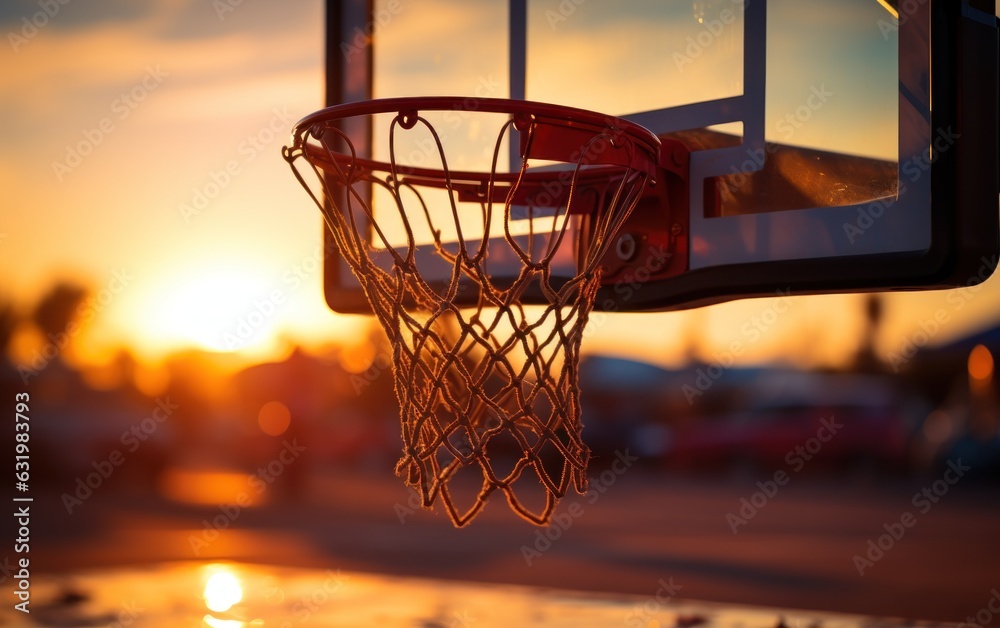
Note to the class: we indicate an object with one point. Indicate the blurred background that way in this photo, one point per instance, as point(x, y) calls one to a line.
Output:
point(192, 397)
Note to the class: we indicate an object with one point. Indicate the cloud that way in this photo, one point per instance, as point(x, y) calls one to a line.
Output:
point(66, 16)
point(77, 73)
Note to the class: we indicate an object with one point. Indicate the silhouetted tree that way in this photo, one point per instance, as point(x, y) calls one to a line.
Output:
point(8, 322)
point(57, 309)
point(866, 359)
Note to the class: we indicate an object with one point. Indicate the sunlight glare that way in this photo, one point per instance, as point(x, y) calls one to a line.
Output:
point(222, 591)
point(221, 311)
point(214, 622)
point(357, 357)
point(205, 486)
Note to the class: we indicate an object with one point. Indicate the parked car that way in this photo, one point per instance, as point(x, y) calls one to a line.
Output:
point(796, 421)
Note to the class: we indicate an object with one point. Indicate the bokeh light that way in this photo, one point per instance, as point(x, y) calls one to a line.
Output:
point(938, 427)
point(222, 591)
point(981, 364)
point(274, 418)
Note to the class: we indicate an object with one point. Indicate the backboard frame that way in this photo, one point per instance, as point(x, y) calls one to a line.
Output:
point(963, 182)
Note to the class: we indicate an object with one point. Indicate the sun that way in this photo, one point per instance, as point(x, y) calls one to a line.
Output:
point(217, 310)
point(245, 308)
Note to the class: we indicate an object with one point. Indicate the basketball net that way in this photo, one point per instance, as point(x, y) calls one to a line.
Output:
point(488, 391)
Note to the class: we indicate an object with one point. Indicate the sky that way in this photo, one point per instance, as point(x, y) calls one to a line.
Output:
point(141, 155)
point(145, 139)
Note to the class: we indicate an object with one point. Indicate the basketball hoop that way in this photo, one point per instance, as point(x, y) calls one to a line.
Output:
point(484, 384)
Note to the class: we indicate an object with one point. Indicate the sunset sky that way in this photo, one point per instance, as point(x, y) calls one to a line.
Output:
point(119, 116)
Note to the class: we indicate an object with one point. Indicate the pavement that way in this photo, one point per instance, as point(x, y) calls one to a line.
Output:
point(883, 548)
